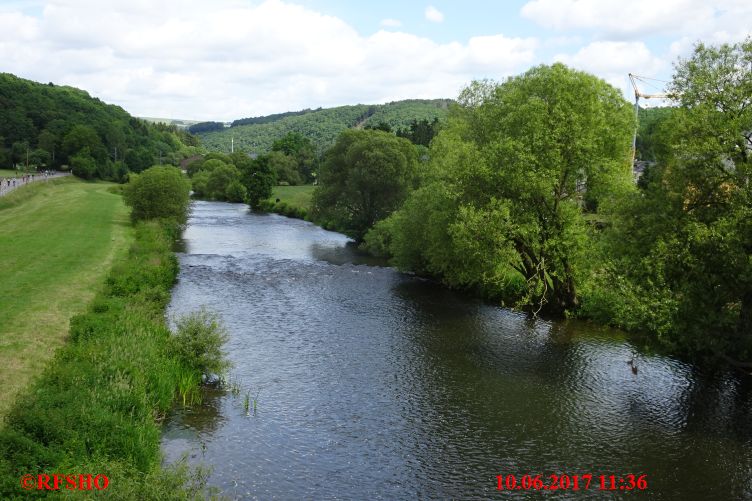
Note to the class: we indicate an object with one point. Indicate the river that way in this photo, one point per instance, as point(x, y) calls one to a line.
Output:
point(372, 384)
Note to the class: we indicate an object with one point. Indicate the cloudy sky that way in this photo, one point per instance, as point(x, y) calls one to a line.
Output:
point(226, 59)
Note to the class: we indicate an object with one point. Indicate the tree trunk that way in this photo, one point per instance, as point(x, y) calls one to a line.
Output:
point(744, 328)
point(564, 293)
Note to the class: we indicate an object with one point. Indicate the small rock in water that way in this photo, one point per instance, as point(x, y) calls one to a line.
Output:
point(210, 379)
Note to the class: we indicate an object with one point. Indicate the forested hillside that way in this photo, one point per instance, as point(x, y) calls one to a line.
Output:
point(321, 126)
point(50, 126)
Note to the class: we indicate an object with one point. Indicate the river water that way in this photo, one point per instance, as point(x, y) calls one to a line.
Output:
point(372, 384)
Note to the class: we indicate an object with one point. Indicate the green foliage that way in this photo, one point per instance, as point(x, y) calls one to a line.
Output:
point(271, 118)
point(83, 165)
point(651, 126)
point(302, 150)
point(258, 178)
point(321, 127)
point(205, 127)
point(400, 115)
point(420, 131)
point(366, 175)
point(685, 241)
point(158, 192)
point(511, 177)
point(197, 343)
point(63, 121)
point(200, 183)
point(220, 177)
point(285, 168)
point(235, 192)
point(96, 406)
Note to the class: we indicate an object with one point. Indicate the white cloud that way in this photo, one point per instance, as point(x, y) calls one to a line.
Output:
point(391, 23)
point(619, 18)
point(434, 15)
point(227, 59)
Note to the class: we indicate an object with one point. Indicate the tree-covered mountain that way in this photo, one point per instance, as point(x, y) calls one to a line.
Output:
point(321, 126)
point(51, 126)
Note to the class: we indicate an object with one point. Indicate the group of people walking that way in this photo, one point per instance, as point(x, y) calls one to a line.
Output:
point(10, 183)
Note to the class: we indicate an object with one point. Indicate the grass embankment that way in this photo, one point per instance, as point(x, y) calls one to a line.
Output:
point(57, 241)
point(96, 407)
point(294, 201)
point(10, 173)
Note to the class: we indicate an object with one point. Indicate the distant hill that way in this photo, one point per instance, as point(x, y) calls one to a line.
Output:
point(53, 126)
point(322, 126)
point(177, 122)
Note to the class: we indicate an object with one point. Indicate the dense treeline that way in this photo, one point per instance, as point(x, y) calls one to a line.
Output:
point(527, 197)
point(649, 130)
point(240, 177)
point(271, 118)
point(49, 126)
point(205, 127)
point(321, 126)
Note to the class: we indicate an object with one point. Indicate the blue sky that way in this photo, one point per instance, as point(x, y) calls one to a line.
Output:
point(226, 59)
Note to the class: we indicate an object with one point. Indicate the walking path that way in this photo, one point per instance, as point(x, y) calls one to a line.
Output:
point(11, 183)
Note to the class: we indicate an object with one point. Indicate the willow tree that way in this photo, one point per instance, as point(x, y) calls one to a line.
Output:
point(516, 169)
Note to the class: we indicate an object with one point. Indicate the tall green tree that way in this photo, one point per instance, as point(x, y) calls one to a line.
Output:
point(514, 173)
point(258, 178)
point(285, 168)
point(302, 150)
point(365, 176)
point(686, 240)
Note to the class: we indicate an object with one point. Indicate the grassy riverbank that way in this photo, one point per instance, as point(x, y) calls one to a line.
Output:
point(97, 405)
point(294, 201)
point(57, 241)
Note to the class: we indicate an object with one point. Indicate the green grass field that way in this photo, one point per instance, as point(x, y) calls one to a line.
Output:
point(10, 173)
point(57, 242)
point(296, 196)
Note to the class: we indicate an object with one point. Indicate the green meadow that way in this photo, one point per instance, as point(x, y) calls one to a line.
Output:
point(57, 242)
point(296, 196)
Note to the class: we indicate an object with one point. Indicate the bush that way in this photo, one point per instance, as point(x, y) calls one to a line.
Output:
point(235, 192)
point(220, 178)
point(200, 183)
point(197, 343)
point(83, 165)
point(159, 192)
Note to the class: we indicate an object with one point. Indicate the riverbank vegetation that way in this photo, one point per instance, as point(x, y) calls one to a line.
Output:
point(528, 198)
point(290, 201)
point(366, 176)
point(55, 127)
point(97, 406)
point(240, 177)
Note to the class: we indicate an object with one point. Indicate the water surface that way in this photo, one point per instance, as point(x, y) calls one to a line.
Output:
point(372, 384)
